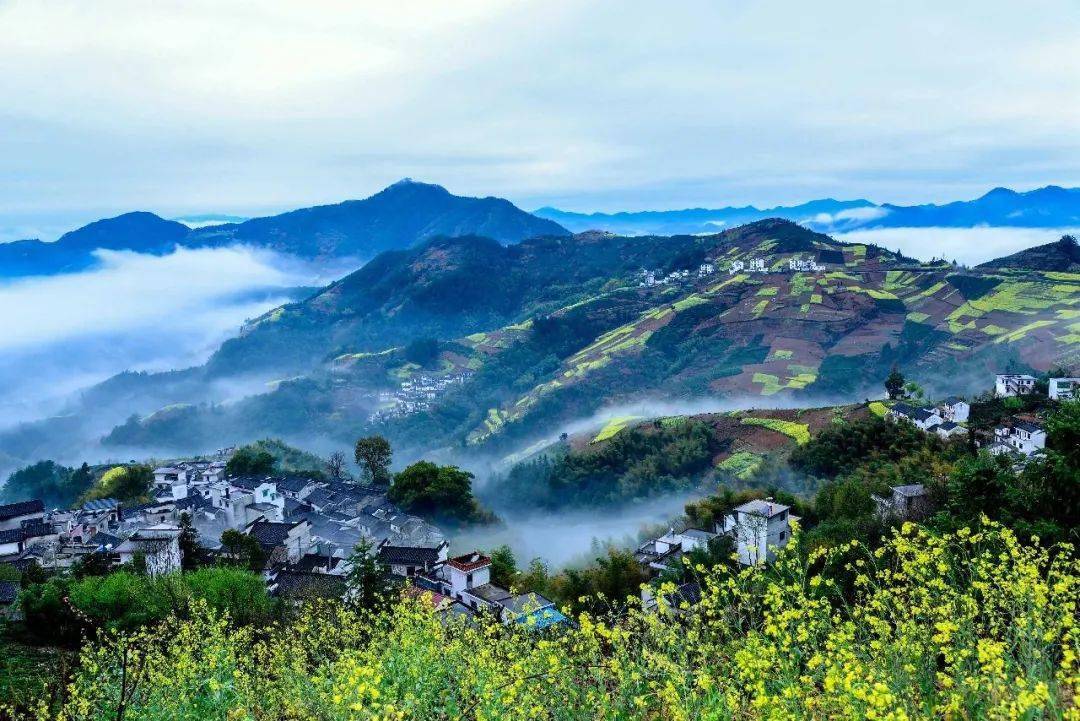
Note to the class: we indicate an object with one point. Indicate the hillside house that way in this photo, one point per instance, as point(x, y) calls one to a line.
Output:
point(158, 544)
point(660, 554)
point(923, 418)
point(170, 482)
point(948, 430)
point(756, 265)
point(906, 503)
point(954, 409)
point(1024, 437)
point(9, 600)
point(798, 265)
point(1013, 384)
point(759, 528)
point(284, 543)
point(409, 560)
point(15, 515)
point(531, 610)
point(1064, 389)
point(737, 266)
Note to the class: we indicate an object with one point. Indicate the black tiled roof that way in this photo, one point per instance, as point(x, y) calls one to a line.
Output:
point(408, 555)
point(9, 591)
point(12, 535)
point(301, 584)
point(248, 483)
point(21, 508)
point(269, 533)
point(311, 561)
point(293, 484)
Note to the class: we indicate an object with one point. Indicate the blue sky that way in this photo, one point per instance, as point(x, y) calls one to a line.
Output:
point(255, 107)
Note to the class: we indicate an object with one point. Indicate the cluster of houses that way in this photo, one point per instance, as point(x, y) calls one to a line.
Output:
point(945, 419)
point(650, 278)
point(461, 585)
point(415, 395)
point(1020, 435)
point(303, 524)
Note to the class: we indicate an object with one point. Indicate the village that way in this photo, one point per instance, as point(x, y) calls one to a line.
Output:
point(652, 278)
point(415, 395)
point(307, 526)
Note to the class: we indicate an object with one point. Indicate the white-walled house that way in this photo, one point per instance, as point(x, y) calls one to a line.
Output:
point(759, 528)
point(158, 544)
point(1013, 384)
point(16, 515)
point(1024, 437)
point(954, 409)
point(1064, 389)
point(948, 430)
point(923, 418)
point(409, 560)
point(907, 503)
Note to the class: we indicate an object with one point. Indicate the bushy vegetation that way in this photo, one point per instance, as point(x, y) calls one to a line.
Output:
point(53, 483)
point(634, 463)
point(130, 483)
point(442, 493)
point(66, 609)
point(966, 625)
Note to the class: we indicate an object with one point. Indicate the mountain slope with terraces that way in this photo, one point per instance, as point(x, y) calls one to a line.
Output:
point(552, 330)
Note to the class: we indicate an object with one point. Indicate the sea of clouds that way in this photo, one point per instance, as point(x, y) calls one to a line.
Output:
point(968, 246)
point(129, 312)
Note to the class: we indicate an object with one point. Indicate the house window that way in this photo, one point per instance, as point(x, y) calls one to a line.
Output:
point(783, 535)
point(468, 580)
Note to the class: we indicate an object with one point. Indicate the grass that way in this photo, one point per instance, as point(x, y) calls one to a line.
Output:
point(800, 432)
point(741, 464)
point(613, 427)
point(879, 409)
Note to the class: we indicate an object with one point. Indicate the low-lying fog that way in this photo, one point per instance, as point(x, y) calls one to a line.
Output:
point(570, 537)
point(62, 333)
point(968, 246)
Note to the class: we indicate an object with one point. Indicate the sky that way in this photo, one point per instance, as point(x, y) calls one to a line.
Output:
point(256, 107)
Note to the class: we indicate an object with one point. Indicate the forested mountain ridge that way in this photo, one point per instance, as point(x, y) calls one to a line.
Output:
point(1048, 207)
point(400, 216)
point(553, 329)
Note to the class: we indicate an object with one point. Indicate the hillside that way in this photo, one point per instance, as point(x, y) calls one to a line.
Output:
point(534, 336)
point(400, 216)
point(140, 232)
point(1061, 256)
point(1049, 207)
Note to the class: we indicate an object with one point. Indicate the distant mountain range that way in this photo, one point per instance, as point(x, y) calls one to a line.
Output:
point(398, 217)
point(1049, 207)
point(541, 333)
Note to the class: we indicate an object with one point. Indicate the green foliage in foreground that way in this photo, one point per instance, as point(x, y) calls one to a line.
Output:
point(64, 609)
point(967, 625)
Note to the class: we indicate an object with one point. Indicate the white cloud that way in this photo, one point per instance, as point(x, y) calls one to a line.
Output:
point(248, 107)
point(135, 312)
point(969, 246)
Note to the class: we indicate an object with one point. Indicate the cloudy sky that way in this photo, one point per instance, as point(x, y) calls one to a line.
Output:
point(253, 107)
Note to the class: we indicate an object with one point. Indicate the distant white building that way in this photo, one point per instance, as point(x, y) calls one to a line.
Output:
point(737, 266)
point(954, 409)
point(948, 430)
point(799, 265)
point(1064, 389)
point(906, 503)
point(923, 418)
point(756, 265)
point(759, 529)
point(158, 544)
point(1013, 384)
point(1024, 437)
point(706, 269)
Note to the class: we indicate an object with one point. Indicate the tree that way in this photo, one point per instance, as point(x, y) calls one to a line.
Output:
point(243, 550)
point(894, 384)
point(335, 466)
point(49, 481)
point(503, 566)
point(192, 554)
point(367, 580)
point(422, 351)
point(250, 461)
point(441, 492)
point(130, 483)
point(373, 455)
